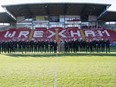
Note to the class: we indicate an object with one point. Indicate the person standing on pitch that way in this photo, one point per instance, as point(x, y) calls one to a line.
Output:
point(55, 46)
point(102, 45)
point(51, 46)
point(87, 46)
point(98, 45)
point(46, 45)
point(0, 46)
point(107, 46)
point(31, 45)
point(62, 44)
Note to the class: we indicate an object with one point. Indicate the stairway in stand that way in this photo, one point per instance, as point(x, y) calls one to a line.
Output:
point(31, 34)
point(82, 34)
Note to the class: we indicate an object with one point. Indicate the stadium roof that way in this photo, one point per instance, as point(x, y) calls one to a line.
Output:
point(6, 18)
point(83, 9)
point(108, 16)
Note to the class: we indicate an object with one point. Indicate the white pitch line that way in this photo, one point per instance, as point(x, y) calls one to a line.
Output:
point(55, 70)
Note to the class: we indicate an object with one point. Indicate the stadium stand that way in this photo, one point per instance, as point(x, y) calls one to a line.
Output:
point(67, 18)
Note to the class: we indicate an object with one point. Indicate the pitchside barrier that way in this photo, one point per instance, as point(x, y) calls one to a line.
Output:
point(113, 44)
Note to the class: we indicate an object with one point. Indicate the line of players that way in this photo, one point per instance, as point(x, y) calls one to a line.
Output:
point(52, 46)
point(28, 46)
point(87, 46)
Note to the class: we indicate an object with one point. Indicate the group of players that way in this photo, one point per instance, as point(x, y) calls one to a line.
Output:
point(87, 46)
point(53, 46)
point(27, 46)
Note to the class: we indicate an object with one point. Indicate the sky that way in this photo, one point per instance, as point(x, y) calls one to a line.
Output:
point(9, 2)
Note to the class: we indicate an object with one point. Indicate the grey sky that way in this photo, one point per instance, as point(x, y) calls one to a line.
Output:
point(7, 2)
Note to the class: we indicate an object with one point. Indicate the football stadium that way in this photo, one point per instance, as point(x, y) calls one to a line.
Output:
point(63, 44)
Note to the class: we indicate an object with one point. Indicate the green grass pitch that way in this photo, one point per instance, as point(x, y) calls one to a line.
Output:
point(73, 70)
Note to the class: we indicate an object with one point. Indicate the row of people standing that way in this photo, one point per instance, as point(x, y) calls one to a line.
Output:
point(28, 46)
point(85, 46)
point(53, 46)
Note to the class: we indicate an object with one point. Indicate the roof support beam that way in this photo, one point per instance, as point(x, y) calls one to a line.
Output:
point(65, 9)
point(29, 10)
point(83, 9)
point(12, 16)
point(104, 12)
point(47, 9)
point(83, 16)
